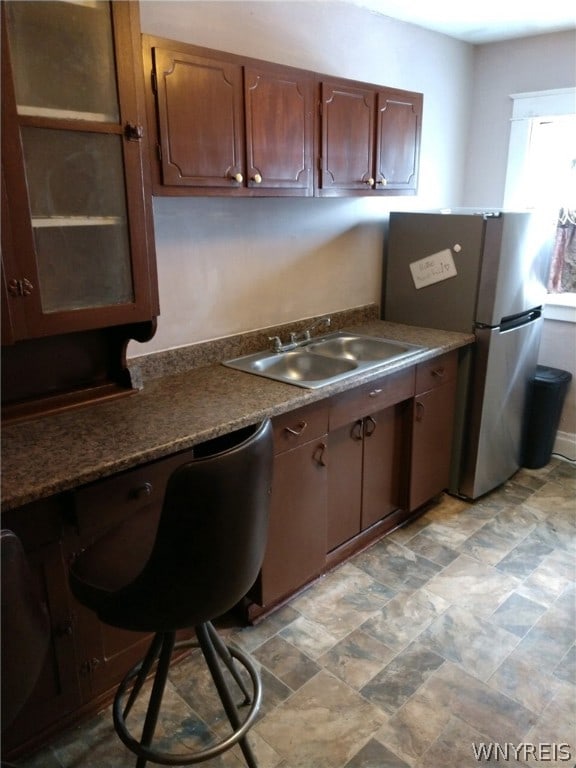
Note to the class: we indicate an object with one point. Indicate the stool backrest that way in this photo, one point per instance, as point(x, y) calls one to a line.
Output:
point(25, 627)
point(211, 536)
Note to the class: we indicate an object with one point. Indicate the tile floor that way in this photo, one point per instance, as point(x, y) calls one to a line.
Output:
point(445, 645)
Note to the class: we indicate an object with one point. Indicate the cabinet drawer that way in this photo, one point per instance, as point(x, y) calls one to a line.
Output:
point(437, 371)
point(370, 398)
point(105, 503)
point(297, 427)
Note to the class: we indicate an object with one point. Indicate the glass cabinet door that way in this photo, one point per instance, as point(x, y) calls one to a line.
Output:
point(74, 158)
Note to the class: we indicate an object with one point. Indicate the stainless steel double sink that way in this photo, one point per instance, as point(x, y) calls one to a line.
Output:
point(325, 360)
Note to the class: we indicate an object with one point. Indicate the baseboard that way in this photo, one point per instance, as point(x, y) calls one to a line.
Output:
point(565, 445)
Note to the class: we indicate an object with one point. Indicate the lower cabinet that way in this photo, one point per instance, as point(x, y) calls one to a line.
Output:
point(347, 470)
point(368, 449)
point(296, 549)
point(432, 427)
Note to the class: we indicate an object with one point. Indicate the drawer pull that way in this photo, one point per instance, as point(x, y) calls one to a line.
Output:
point(300, 427)
point(142, 491)
point(439, 372)
point(375, 393)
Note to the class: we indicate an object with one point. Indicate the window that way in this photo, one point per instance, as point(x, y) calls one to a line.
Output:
point(542, 172)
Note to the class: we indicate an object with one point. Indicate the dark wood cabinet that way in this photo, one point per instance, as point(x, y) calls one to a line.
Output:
point(227, 125)
point(79, 252)
point(370, 139)
point(296, 548)
point(367, 455)
point(432, 427)
point(78, 260)
point(57, 694)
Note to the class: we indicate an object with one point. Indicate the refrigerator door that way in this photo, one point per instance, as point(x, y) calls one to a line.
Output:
point(448, 304)
point(505, 362)
point(515, 264)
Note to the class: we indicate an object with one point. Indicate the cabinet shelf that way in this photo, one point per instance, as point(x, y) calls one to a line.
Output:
point(42, 222)
point(26, 110)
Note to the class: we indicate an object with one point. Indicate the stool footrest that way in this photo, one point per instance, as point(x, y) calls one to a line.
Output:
point(216, 653)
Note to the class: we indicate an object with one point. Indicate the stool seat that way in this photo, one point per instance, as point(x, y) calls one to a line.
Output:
point(181, 571)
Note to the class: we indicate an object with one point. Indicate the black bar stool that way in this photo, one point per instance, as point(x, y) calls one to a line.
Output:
point(205, 556)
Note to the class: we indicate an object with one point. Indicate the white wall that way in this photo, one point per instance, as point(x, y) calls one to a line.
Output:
point(535, 63)
point(227, 266)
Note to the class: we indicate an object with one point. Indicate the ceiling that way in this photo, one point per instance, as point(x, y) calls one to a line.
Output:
point(483, 21)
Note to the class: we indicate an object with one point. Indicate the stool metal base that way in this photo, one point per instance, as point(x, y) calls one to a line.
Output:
point(216, 653)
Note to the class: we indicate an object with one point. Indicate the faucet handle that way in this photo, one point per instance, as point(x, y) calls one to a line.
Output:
point(277, 342)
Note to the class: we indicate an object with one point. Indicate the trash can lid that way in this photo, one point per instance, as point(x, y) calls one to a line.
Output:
point(547, 375)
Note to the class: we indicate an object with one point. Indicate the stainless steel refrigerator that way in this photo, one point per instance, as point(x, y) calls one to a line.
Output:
point(482, 273)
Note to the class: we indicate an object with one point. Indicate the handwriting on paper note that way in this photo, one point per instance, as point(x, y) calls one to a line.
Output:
point(433, 269)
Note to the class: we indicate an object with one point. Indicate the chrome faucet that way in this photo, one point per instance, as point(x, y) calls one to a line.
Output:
point(299, 339)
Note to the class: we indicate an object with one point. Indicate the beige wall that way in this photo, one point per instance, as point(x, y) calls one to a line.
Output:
point(227, 266)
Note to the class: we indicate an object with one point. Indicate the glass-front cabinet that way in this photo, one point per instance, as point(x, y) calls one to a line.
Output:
point(78, 248)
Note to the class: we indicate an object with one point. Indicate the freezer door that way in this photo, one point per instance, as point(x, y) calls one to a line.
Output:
point(413, 239)
point(492, 444)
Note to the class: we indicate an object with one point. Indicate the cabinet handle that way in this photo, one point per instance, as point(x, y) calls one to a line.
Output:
point(300, 427)
point(438, 372)
point(369, 182)
point(320, 454)
point(237, 177)
point(419, 411)
point(133, 132)
point(370, 426)
point(21, 287)
point(375, 393)
point(356, 432)
point(142, 491)
point(257, 179)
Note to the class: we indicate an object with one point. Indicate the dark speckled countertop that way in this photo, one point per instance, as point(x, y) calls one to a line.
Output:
point(174, 412)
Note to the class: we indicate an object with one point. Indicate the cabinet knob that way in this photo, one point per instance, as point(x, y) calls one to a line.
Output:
point(238, 177)
point(375, 393)
point(438, 372)
point(142, 491)
point(357, 429)
point(257, 179)
point(419, 411)
point(383, 181)
point(369, 182)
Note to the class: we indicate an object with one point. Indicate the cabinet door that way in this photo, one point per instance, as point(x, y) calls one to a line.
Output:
point(125, 508)
point(348, 125)
point(201, 120)
point(432, 427)
point(72, 152)
point(57, 692)
point(383, 475)
point(398, 142)
point(344, 483)
point(296, 549)
point(279, 107)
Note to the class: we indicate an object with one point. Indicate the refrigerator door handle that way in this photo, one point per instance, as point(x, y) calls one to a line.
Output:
point(509, 323)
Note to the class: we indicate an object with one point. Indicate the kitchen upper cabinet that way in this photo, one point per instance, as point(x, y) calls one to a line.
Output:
point(370, 139)
point(432, 427)
point(78, 248)
point(227, 125)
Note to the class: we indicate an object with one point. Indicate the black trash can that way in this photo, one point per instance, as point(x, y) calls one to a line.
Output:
point(546, 396)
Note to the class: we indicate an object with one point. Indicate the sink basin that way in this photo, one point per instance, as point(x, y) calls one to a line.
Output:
point(300, 365)
point(325, 360)
point(360, 348)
